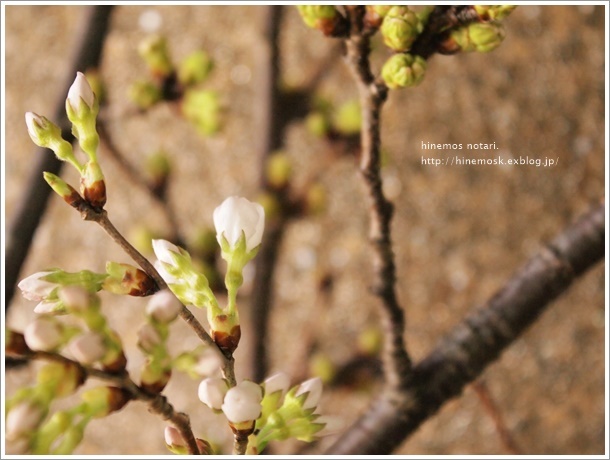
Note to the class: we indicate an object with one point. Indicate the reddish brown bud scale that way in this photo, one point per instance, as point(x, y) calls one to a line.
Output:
point(117, 398)
point(118, 365)
point(158, 385)
point(143, 285)
point(227, 342)
point(74, 199)
point(16, 344)
point(95, 194)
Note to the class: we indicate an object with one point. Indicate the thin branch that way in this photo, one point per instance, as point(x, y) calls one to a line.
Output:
point(240, 444)
point(269, 102)
point(478, 340)
point(493, 411)
point(90, 40)
point(101, 217)
point(397, 363)
point(157, 403)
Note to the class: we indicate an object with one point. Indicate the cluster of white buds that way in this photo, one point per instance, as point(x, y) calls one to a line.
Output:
point(239, 230)
point(82, 108)
point(162, 309)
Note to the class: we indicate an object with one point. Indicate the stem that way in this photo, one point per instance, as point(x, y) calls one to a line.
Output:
point(397, 363)
point(240, 444)
point(478, 340)
point(101, 217)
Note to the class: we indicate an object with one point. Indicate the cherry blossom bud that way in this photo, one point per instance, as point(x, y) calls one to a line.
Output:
point(173, 437)
point(80, 91)
point(212, 392)
point(125, 279)
point(148, 338)
point(277, 382)
point(403, 70)
point(88, 348)
point(242, 403)
point(400, 28)
point(22, 420)
point(35, 288)
point(237, 216)
point(75, 298)
point(313, 389)
point(102, 401)
point(44, 334)
point(164, 307)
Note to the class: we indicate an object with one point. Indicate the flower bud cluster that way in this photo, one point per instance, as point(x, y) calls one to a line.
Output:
point(82, 107)
point(291, 412)
point(239, 227)
point(46, 286)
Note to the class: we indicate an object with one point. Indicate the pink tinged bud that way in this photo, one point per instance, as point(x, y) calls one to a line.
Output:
point(35, 124)
point(88, 348)
point(212, 392)
point(313, 389)
point(242, 403)
point(22, 420)
point(164, 307)
point(237, 216)
point(164, 249)
point(52, 307)
point(173, 437)
point(331, 425)
point(44, 334)
point(75, 298)
point(148, 338)
point(80, 90)
point(277, 382)
point(35, 288)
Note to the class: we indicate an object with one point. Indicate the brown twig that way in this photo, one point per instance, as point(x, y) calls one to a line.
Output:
point(480, 388)
point(262, 292)
point(373, 94)
point(90, 40)
point(478, 340)
point(101, 217)
point(157, 403)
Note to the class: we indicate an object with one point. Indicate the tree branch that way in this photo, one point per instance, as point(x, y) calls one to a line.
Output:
point(157, 403)
point(478, 340)
point(31, 209)
point(397, 363)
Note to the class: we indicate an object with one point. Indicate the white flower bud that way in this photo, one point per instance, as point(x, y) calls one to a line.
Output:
point(208, 363)
point(167, 277)
point(22, 420)
point(88, 348)
point(164, 307)
point(76, 298)
point(148, 338)
point(35, 124)
point(242, 403)
point(164, 251)
point(313, 388)
point(44, 334)
point(80, 90)
point(237, 216)
point(212, 392)
point(277, 382)
point(173, 437)
point(34, 288)
point(48, 307)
